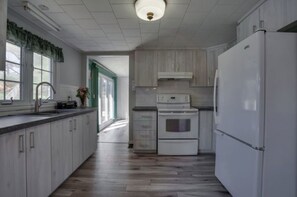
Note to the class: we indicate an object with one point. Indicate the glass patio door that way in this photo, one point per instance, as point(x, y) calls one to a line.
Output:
point(106, 100)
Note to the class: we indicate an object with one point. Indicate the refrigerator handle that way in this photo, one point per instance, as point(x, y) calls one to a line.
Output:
point(215, 96)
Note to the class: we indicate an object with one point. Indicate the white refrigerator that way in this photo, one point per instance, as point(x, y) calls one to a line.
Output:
point(255, 98)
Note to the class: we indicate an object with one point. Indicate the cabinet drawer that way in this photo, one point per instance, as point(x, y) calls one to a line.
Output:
point(144, 125)
point(144, 144)
point(144, 115)
point(145, 135)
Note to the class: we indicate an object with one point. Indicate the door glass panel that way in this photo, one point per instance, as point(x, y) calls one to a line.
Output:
point(178, 125)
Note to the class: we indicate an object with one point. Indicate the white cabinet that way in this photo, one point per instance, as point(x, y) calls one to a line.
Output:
point(13, 164)
point(3, 26)
point(89, 134)
point(273, 14)
point(144, 131)
point(77, 142)
point(61, 150)
point(249, 25)
point(206, 136)
point(38, 148)
point(146, 69)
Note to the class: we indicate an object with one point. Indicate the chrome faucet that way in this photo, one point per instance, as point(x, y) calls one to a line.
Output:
point(37, 101)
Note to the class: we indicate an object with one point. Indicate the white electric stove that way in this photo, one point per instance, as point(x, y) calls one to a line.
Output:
point(177, 125)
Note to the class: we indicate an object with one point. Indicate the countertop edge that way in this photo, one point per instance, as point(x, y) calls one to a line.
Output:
point(145, 108)
point(48, 119)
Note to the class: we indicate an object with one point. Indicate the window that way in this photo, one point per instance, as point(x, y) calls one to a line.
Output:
point(42, 71)
point(11, 78)
point(106, 100)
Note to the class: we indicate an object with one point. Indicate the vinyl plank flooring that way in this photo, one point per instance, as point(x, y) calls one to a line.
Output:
point(115, 171)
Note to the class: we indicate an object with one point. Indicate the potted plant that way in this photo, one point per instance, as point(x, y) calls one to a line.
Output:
point(83, 94)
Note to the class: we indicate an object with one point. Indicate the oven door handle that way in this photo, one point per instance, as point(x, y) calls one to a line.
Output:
point(178, 114)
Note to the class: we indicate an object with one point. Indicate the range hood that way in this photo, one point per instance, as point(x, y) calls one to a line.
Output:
point(175, 75)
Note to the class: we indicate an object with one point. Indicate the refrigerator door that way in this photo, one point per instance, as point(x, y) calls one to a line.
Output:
point(238, 166)
point(240, 91)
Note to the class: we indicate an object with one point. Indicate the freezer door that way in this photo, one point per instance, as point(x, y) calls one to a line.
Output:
point(240, 90)
point(238, 167)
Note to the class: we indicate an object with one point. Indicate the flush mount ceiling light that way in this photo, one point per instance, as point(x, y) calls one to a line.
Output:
point(150, 10)
point(34, 11)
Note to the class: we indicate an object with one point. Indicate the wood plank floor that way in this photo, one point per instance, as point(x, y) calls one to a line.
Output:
point(115, 171)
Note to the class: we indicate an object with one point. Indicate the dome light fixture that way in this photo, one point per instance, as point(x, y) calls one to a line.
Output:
point(150, 10)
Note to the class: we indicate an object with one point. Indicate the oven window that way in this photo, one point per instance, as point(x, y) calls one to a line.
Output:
point(178, 125)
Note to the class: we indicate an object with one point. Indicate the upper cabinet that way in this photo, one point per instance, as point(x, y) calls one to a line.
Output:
point(199, 68)
point(146, 70)
point(175, 60)
point(272, 15)
point(3, 26)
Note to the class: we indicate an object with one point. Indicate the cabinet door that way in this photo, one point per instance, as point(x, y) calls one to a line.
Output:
point(166, 61)
point(273, 14)
point(184, 61)
point(93, 131)
point(86, 136)
point(212, 63)
point(291, 11)
point(38, 161)
point(206, 131)
point(242, 30)
point(253, 21)
point(145, 69)
point(77, 144)
point(61, 150)
point(13, 164)
point(199, 68)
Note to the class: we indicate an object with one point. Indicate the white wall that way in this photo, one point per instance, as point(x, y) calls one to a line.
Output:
point(123, 97)
point(68, 73)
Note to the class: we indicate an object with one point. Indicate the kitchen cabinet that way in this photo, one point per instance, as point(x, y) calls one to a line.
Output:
point(175, 60)
point(291, 8)
point(3, 27)
point(61, 151)
point(13, 164)
point(38, 149)
point(90, 134)
point(273, 14)
point(206, 136)
point(146, 72)
point(199, 68)
point(144, 131)
point(212, 62)
point(77, 141)
point(249, 25)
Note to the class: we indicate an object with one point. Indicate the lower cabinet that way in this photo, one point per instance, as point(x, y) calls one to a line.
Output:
point(13, 164)
point(36, 160)
point(38, 149)
point(61, 140)
point(206, 136)
point(144, 131)
point(25, 160)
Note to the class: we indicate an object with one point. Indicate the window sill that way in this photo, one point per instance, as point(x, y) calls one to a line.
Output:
point(22, 107)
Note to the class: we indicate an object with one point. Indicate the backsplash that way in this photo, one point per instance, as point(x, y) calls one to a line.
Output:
point(200, 96)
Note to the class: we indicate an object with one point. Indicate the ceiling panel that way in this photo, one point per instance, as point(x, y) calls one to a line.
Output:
point(111, 25)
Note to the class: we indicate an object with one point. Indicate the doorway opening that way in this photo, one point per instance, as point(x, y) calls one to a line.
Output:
point(109, 82)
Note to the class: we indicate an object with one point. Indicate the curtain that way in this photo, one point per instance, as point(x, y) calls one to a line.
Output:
point(22, 37)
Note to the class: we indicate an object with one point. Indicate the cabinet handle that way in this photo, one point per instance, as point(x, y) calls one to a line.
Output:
point(254, 28)
point(32, 143)
point(70, 125)
point(74, 124)
point(261, 24)
point(21, 143)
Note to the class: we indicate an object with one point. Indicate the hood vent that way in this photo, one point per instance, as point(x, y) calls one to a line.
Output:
point(175, 75)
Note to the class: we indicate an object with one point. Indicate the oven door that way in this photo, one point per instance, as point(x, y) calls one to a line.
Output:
point(178, 125)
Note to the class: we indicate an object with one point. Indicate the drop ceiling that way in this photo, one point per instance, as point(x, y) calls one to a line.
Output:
point(117, 64)
point(112, 25)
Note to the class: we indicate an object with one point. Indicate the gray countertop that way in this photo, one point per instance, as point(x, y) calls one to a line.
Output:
point(16, 122)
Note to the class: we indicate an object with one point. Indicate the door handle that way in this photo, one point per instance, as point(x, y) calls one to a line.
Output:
point(215, 89)
point(21, 143)
point(32, 143)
